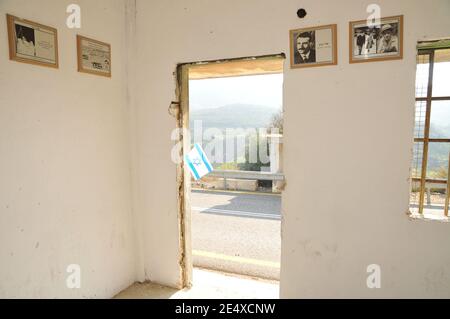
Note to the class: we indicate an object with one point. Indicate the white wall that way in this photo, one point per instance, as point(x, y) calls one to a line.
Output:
point(67, 175)
point(65, 195)
point(348, 134)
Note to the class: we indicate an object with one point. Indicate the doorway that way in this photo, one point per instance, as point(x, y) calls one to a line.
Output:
point(230, 220)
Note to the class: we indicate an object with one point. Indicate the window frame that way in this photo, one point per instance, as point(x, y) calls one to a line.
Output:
point(426, 140)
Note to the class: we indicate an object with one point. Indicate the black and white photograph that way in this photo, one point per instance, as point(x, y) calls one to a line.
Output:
point(306, 48)
point(32, 43)
point(315, 46)
point(25, 40)
point(381, 41)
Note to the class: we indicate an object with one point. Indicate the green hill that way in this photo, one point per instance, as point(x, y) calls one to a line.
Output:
point(234, 116)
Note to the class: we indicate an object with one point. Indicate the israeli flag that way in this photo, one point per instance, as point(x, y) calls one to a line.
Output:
point(197, 162)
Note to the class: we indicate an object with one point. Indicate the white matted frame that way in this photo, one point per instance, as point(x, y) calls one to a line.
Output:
point(367, 43)
point(94, 57)
point(321, 46)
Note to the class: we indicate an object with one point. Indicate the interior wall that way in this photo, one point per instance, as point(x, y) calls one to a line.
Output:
point(348, 141)
point(65, 195)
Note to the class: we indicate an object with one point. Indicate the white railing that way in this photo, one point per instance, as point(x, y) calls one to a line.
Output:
point(265, 176)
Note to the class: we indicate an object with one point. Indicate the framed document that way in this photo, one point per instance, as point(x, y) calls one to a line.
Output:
point(315, 46)
point(377, 42)
point(94, 57)
point(31, 42)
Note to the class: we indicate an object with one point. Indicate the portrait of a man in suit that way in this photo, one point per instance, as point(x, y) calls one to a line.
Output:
point(306, 52)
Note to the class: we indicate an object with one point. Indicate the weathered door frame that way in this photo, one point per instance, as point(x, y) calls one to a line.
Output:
point(183, 175)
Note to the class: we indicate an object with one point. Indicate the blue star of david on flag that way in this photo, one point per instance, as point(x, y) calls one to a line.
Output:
point(197, 162)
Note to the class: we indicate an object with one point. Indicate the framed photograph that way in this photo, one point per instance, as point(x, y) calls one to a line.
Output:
point(315, 46)
point(31, 42)
point(94, 57)
point(380, 42)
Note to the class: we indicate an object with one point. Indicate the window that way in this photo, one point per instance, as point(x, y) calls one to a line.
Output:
point(430, 168)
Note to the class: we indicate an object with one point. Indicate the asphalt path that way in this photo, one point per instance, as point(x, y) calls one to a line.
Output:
point(237, 232)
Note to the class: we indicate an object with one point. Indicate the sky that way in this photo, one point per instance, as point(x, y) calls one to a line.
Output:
point(256, 89)
point(268, 90)
point(440, 110)
point(441, 83)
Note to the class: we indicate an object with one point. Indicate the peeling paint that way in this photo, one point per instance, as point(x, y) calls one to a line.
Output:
point(175, 111)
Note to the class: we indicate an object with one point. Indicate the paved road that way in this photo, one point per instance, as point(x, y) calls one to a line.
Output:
point(237, 232)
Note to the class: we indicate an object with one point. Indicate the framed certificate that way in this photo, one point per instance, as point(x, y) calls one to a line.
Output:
point(31, 42)
point(94, 57)
point(377, 42)
point(315, 46)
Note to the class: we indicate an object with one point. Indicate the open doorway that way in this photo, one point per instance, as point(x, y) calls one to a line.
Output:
point(230, 219)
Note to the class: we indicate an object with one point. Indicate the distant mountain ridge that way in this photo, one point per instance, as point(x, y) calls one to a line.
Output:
point(234, 116)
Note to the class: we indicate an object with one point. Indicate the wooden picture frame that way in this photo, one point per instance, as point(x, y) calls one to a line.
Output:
point(380, 42)
point(314, 46)
point(94, 57)
point(32, 43)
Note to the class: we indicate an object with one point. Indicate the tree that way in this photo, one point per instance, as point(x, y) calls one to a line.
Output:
point(277, 122)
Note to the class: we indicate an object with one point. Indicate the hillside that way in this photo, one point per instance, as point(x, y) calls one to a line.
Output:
point(234, 116)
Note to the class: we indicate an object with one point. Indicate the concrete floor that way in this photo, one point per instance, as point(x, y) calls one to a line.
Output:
point(207, 285)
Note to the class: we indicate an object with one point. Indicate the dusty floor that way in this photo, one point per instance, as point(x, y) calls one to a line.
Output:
point(207, 285)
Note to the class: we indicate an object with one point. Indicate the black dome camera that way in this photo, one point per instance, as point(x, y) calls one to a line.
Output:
point(301, 13)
